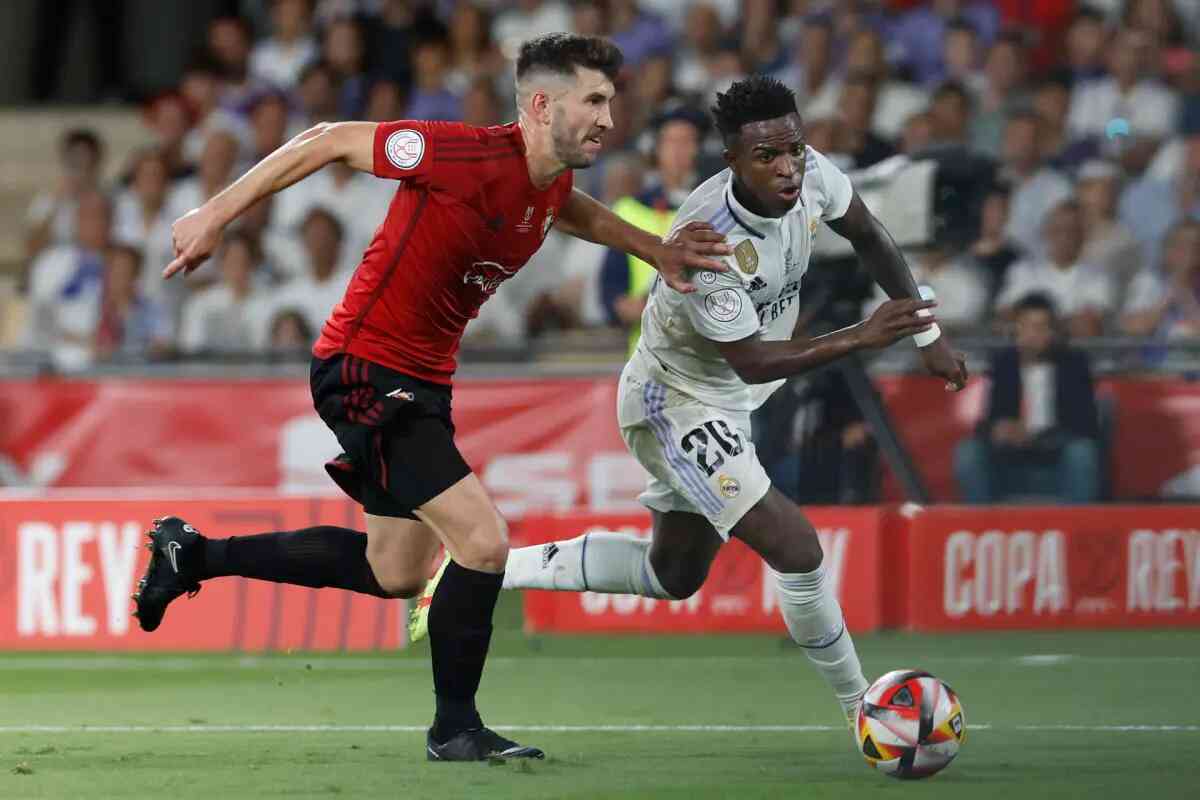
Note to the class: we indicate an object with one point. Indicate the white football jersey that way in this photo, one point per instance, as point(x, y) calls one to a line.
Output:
point(757, 295)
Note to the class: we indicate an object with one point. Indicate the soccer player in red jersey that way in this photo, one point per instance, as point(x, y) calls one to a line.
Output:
point(472, 206)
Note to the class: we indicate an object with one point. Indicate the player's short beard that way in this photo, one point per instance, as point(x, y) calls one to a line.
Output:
point(567, 148)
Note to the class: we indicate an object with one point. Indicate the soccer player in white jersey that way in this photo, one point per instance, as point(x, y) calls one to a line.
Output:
point(705, 360)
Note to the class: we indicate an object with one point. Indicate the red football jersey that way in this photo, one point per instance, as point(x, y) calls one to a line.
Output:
point(465, 218)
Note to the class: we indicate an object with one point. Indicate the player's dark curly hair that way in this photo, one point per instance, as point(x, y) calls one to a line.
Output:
point(751, 99)
point(563, 52)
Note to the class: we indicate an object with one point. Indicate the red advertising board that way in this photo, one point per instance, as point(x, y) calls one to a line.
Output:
point(1064, 567)
point(538, 445)
point(739, 594)
point(68, 567)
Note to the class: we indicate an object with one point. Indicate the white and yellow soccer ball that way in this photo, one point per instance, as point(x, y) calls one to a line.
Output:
point(910, 724)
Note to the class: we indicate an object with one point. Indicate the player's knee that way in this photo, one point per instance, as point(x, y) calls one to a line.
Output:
point(394, 575)
point(485, 549)
point(781, 535)
point(678, 579)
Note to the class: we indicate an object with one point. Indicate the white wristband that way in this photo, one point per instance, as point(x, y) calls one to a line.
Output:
point(926, 338)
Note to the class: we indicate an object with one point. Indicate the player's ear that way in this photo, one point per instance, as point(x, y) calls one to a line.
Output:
point(539, 104)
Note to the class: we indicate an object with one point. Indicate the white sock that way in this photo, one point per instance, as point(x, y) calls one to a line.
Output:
point(613, 563)
point(815, 621)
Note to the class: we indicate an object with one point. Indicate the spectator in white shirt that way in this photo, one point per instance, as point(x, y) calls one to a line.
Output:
point(811, 72)
point(321, 288)
point(897, 100)
point(961, 288)
point(279, 59)
point(215, 171)
point(51, 217)
point(1035, 188)
point(1128, 93)
point(65, 286)
point(223, 318)
point(526, 19)
point(1109, 244)
point(357, 199)
point(1000, 94)
point(1082, 293)
point(1166, 301)
point(701, 34)
point(143, 221)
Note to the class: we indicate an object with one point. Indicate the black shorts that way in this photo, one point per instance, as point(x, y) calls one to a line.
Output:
point(395, 430)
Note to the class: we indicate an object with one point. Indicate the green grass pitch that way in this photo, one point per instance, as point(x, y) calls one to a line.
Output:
point(1044, 718)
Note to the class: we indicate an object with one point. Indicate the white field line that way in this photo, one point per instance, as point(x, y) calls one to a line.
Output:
point(32, 729)
point(119, 662)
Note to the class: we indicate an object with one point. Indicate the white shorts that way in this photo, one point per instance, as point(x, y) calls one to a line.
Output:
point(701, 459)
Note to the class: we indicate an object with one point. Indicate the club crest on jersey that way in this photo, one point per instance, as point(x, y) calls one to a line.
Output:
point(729, 486)
point(524, 225)
point(405, 148)
point(488, 275)
point(723, 305)
point(747, 257)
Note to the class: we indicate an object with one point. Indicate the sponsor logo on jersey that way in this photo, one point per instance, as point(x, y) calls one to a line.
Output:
point(524, 225)
point(488, 275)
point(401, 394)
point(723, 305)
point(547, 222)
point(747, 257)
point(405, 148)
point(729, 486)
point(707, 278)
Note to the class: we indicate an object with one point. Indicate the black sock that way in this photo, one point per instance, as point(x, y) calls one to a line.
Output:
point(460, 629)
point(316, 557)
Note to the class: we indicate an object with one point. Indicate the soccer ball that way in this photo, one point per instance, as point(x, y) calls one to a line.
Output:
point(910, 724)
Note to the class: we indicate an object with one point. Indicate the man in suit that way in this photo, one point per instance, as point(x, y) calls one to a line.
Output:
point(1041, 431)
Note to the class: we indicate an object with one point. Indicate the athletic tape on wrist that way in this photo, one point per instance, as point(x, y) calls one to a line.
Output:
point(926, 338)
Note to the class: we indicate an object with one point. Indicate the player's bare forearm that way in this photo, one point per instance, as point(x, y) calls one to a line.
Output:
point(196, 234)
point(876, 249)
point(758, 361)
point(295, 160)
point(584, 217)
point(690, 248)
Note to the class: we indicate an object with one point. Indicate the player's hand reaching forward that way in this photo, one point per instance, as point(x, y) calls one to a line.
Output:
point(194, 236)
point(695, 246)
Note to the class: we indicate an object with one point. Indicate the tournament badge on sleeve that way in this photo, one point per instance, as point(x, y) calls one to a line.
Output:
point(747, 257)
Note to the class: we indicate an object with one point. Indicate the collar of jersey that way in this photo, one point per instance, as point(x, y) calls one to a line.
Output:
point(747, 219)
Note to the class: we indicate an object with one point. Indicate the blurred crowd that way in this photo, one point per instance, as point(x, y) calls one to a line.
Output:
point(1086, 115)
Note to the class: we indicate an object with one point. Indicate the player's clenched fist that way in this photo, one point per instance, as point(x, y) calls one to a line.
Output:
point(194, 237)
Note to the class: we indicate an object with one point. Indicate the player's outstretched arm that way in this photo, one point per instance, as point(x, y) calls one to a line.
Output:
point(759, 361)
point(878, 252)
point(197, 233)
point(696, 246)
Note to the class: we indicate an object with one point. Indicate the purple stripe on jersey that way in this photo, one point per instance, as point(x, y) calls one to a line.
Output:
point(720, 217)
point(688, 464)
point(652, 407)
point(654, 398)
